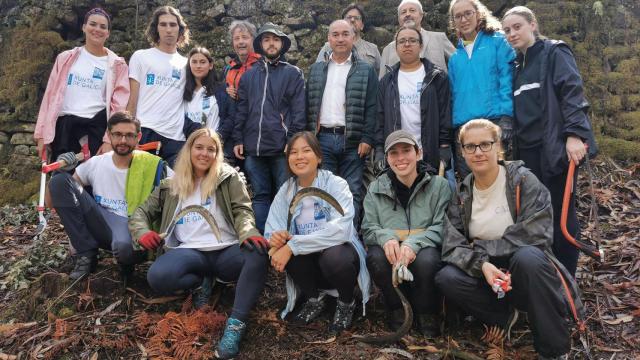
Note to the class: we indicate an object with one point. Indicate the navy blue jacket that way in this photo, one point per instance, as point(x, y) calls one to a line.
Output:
point(270, 108)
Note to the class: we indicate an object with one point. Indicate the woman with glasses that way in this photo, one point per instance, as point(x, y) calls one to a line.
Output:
point(479, 71)
point(497, 243)
point(414, 96)
point(551, 122)
point(87, 84)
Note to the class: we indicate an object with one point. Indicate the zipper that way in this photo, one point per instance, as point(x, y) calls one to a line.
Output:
point(264, 98)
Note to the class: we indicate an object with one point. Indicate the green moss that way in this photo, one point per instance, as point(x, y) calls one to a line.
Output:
point(619, 149)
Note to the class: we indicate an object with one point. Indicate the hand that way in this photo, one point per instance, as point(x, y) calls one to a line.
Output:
point(233, 92)
point(238, 151)
point(280, 259)
point(491, 273)
point(576, 150)
point(257, 243)
point(445, 156)
point(150, 240)
point(392, 251)
point(70, 161)
point(506, 126)
point(279, 238)
point(407, 256)
point(363, 149)
point(104, 148)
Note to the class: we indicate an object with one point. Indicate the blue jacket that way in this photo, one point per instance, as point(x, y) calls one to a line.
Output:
point(270, 108)
point(481, 86)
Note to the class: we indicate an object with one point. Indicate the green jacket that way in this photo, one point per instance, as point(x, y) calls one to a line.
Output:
point(231, 195)
point(418, 226)
point(361, 100)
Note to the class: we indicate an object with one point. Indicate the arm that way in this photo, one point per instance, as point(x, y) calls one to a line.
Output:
point(243, 219)
point(444, 107)
point(372, 230)
point(121, 91)
point(298, 106)
point(379, 127)
point(242, 111)
point(132, 105)
point(136, 75)
point(432, 235)
point(505, 55)
point(43, 114)
point(447, 46)
point(371, 104)
point(324, 50)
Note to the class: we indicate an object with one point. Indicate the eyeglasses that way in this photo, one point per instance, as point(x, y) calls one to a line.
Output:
point(353, 17)
point(410, 41)
point(126, 136)
point(484, 147)
point(466, 15)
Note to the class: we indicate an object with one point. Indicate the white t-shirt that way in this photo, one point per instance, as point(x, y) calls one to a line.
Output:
point(409, 88)
point(490, 214)
point(201, 104)
point(469, 49)
point(86, 91)
point(334, 98)
point(312, 217)
point(108, 182)
point(162, 79)
point(193, 231)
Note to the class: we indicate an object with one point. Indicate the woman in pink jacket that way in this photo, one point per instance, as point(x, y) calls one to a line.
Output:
point(86, 85)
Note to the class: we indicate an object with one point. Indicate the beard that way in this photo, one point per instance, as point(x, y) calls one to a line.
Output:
point(410, 23)
point(272, 57)
point(123, 150)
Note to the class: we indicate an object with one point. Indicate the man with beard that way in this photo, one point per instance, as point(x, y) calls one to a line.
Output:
point(271, 108)
point(435, 46)
point(121, 180)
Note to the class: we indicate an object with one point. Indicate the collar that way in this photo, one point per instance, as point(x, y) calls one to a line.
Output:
point(349, 60)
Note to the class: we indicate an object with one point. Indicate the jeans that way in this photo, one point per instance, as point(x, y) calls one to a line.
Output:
point(346, 163)
point(266, 174)
point(170, 148)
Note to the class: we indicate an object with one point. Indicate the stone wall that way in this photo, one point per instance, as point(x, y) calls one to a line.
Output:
point(604, 35)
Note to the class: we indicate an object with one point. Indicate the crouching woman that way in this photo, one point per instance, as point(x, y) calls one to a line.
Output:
point(197, 251)
point(499, 230)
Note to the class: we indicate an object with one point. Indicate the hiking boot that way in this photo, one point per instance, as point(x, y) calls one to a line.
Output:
point(342, 317)
point(395, 318)
point(84, 266)
point(310, 310)
point(428, 325)
point(561, 357)
point(201, 295)
point(229, 344)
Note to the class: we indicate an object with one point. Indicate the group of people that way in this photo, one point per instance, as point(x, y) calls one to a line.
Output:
point(367, 136)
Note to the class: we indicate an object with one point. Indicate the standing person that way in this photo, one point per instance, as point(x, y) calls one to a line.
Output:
point(435, 46)
point(341, 109)
point(242, 34)
point(501, 219)
point(480, 72)
point(404, 212)
point(550, 118)
point(320, 250)
point(121, 179)
point(270, 109)
point(414, 97)
point(367, 51)
point(157, 77)
point(87, 84)
point(195, 252)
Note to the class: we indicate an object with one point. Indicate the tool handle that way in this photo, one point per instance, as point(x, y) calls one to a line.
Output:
point(58, 164)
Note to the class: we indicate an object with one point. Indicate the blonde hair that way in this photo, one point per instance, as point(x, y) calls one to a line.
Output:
point(486, 21)
point(183, 182)
point(483, 124)
point(526, 14)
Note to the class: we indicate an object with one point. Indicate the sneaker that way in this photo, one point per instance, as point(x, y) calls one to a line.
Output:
point(395, 318)
point(342, 317)
point(201, 295)
point(229, 344)
point(310, 310)
point(84, 266)
point(428, 325)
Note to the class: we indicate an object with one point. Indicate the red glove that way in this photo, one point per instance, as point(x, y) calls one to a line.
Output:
point(150, 240)
point(258, 243)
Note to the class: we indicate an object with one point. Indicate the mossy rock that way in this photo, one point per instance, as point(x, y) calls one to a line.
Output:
point(619, 149)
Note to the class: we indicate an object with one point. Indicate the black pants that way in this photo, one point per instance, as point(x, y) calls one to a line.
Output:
point(536, 290)
point(90, 226)
point(184, 269)
point(170, 148)
point(70, 128)
point(422, 291)
point(336, 267)
point(562, 249)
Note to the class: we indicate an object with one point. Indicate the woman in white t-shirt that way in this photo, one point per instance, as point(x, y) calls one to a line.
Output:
point(86, 85)
point(497, 241)
point(197, 252)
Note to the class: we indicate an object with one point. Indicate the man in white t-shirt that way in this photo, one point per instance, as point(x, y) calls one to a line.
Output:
point(101, 220)
point(157, 77)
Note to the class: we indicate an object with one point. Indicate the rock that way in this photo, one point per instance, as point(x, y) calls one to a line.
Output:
point(294, 43)
point(300, 22)
point(302, 32)
point(18, 127)
point(21, 150)
point(242, 8)
point(216, 11)
point(4, 138)
point(22, 139)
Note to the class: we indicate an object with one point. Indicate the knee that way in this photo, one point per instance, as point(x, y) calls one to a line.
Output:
point(123, 250)
point(159, 277)
point(447, 278)
point(339, 260)
point(60, 184)
point(376, 260)
point(427, 263)
point(254, 260)
point(528, 259)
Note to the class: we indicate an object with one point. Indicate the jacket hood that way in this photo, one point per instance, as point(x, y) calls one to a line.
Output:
point(272, 29)
point(383, 185)
point(428, 68)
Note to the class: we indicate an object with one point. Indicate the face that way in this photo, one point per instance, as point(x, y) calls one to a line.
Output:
point(124, 138)
point(519, 32)
point(479, 161)
point(242, 42)
point(408, 46)
point(403, 159)
point(96, 30)
point(303, 162)
point(341, 37)
point(200, 66)
point(271, 45)
point(168, 29)
point(410, 15)
point(355, 18)
point(465, 18)
point(203, 154)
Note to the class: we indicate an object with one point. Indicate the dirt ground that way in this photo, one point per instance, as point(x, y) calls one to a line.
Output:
point(45, 316)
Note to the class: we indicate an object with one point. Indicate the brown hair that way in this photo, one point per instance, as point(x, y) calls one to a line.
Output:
point(486, 21)
point(97, 11)
point(122, 117)
point(405, 27)
point(152, 29)
point(311, 140)
point(526, 14)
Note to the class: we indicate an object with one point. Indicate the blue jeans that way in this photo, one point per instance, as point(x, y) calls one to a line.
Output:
point(346, 163)
point(266, 174)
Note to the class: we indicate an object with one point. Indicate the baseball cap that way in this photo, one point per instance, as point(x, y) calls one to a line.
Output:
point(397, 137)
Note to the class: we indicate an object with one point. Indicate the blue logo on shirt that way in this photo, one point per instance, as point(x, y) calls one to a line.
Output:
point(69, 79)
point(175, 73)
point(151, 78)
point(318, 212)
point(206, 103)
point(419, 86)
point(98, 73)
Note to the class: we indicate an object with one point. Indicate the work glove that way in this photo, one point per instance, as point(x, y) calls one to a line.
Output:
point(257, 243)
point(69, 159)
point(445, 156)
point(506, 125)
point(403, 274)
point(150, 240)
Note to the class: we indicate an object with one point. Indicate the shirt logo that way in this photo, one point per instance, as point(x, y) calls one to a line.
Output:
point(175, 73)
point(69, 79)
point(98, 73)
point(151, 78)
point(206, 103)
point(418, 86)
